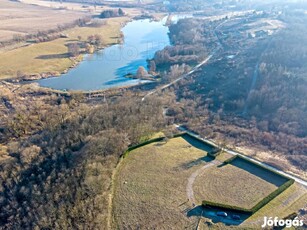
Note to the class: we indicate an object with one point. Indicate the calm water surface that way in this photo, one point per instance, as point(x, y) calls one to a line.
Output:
point(106, 68)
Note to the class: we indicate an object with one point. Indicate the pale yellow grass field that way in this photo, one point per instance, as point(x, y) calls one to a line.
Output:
point(231, 185)
point(81, 7)
point(288, 202)
point(19, 18)
point(224, 156)
point(150, 187)
point(27, 59)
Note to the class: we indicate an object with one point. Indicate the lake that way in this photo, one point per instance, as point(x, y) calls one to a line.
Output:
point(107, 68)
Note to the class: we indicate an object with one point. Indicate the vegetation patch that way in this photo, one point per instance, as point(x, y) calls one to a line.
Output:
point(242, 197)
point(144, 194)
point(231, 186)
point(150, 186)
point(54, 56)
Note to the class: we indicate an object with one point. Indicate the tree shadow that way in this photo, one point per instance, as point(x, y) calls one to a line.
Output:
point(52, 56)
point(211, 213)
point(260, 172)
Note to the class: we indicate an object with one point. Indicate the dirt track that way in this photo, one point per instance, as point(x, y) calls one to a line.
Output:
point(190, 192)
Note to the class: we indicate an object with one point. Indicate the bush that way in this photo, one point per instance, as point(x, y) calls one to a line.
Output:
point(112, 13)
point(215, 152)
point(142, 144)
point(225, 206)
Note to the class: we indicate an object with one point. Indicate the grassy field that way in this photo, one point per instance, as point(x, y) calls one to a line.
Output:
point(19, 18)
point(81, 7)
point(151, 188)
point(29, 59)
point(290, 201)
point(224, 185)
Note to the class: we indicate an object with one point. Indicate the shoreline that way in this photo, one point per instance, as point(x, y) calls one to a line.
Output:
point(27, 78)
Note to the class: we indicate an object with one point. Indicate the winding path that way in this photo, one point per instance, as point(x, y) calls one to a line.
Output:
point(189, 189)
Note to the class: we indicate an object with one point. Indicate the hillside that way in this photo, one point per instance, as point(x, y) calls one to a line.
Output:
point(253, 91)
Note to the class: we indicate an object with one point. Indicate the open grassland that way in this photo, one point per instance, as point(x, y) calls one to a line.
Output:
point(150, 186)
point(82, 7)
point(52, 56)
point(231, 185)
point(224, 156)
point(20, 19)
point(289, 201)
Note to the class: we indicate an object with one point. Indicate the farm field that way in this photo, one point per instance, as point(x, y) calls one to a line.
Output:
point(20, 19)
point(81, 7)
point(33, 59)
point(160, 184)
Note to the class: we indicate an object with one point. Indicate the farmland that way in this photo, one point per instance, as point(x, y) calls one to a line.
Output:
point(32, 59)
point(30, 17)
point(152, 186)
point(80, 7)
point(22, 19)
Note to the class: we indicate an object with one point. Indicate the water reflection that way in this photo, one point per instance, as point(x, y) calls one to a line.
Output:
point(106, 68)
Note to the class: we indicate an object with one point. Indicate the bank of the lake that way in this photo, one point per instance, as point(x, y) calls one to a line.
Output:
point(50, 58)
point(107, 68)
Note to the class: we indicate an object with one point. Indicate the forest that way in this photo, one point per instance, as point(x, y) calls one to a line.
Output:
point(60, 155)
point(58, 150)
point(256, 99)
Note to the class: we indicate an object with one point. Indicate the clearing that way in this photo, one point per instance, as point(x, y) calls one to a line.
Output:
point(162, 185)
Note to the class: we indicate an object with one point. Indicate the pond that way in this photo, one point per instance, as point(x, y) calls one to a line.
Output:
point(107, 68)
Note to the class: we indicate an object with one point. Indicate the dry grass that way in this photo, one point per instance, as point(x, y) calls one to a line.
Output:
point(3, 153)
point(269, 156)
point(79, 6)
point(98, 178)
point(291, 200)
point(19, 18)
point(231, 185)
point(27, 59)
point(150, 188)
point(224, 156)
